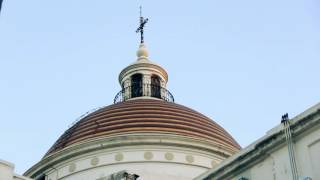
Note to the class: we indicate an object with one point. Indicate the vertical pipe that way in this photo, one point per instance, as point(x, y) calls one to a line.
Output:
point(293, 152)
point(288, 136)
point(289, 150)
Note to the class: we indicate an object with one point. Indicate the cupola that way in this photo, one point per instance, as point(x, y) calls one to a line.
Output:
point(144, 78)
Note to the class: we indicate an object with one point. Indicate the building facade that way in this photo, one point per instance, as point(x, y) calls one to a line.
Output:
point(146, 135)
point(290, 151)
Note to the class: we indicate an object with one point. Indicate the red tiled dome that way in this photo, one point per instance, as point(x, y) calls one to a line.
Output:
point(145, 115)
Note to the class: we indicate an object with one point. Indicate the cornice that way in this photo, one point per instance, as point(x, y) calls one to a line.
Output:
point(143, 66)
point(129, 140)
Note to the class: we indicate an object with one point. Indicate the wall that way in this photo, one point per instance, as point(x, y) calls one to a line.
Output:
point(7, 172)
point(151, 156)
point(149, 163)
point(276, 166)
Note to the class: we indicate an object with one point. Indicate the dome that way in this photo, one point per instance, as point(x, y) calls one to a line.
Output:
point(145, 116)
point(144, 133)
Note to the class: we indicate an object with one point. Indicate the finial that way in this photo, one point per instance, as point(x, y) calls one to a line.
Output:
point(142, 24)
point(142, 52)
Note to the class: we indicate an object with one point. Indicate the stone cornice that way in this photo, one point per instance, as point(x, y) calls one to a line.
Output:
point(131, 140)
point(141, 66)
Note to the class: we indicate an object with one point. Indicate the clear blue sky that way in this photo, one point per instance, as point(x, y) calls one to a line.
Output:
point(242, 63)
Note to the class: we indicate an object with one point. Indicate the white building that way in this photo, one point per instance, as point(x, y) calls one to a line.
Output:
point(7, 172)
point(146, 135)
point(276, 156)
point(265, 159)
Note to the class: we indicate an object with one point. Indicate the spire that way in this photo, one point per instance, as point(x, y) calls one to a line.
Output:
point(141, 26)
point(142, 52)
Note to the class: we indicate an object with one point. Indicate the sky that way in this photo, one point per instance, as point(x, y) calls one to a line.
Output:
point(241, 63)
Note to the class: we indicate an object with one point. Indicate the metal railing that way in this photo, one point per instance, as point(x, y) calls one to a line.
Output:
point(141, 90)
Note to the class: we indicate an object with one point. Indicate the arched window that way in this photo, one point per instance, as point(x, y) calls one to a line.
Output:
point(136, 85)
point(155, 86)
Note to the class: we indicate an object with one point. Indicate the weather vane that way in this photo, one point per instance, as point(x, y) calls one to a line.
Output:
point(142, 24)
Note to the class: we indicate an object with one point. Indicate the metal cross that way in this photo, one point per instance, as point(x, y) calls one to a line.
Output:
point(142, 24)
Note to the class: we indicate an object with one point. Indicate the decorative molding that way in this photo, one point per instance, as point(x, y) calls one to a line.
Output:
point(94, 161)
point(72, 167)
point(148, 155)
point(118, 157)
point(214, 163)
point(189, 158)
point(139, 140)
point(169, 156)
point(138, 67)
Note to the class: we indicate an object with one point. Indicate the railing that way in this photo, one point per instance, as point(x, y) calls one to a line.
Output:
point(141, 90)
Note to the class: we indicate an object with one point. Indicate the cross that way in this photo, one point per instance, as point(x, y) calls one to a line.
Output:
point(142, 24)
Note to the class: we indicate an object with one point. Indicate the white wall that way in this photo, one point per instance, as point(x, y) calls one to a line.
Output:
point(169, 164)
point(7, 172)
point(146, 171)
point(277, 165)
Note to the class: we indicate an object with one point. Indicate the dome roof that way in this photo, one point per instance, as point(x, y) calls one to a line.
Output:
point(145, 116)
